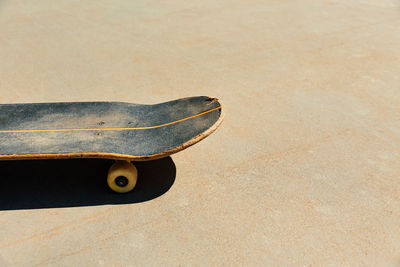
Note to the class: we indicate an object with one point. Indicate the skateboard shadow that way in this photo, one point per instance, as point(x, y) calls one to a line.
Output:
point(41, 184)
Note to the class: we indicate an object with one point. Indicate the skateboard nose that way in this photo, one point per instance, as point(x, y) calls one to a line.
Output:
point(211, 100)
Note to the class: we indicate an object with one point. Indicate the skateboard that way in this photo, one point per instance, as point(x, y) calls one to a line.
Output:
point(124, 132)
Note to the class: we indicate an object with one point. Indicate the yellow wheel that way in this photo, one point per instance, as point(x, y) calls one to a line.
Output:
point(122, 177)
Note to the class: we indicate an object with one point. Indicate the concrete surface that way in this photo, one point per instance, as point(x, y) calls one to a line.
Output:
point(304, 170)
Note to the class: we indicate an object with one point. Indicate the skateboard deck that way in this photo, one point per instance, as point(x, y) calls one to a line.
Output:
point(113, 130)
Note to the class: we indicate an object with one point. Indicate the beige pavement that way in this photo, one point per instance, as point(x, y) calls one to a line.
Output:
point(305, 169)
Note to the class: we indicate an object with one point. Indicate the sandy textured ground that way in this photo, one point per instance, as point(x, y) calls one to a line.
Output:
point(304, 170)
